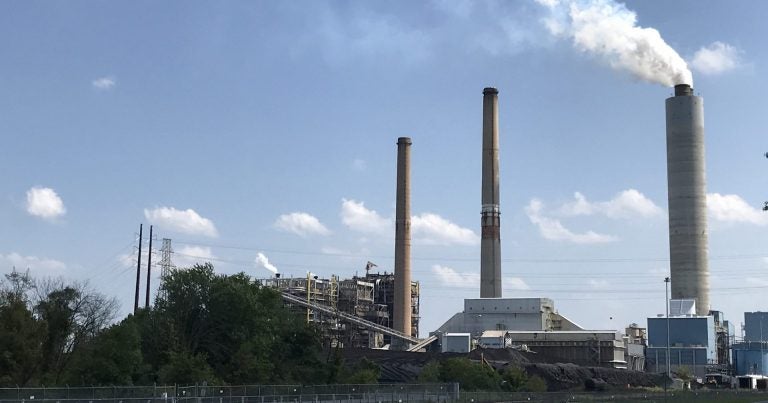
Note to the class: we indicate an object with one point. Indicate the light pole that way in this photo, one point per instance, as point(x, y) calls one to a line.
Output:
point(666, 300)
point(765, 206)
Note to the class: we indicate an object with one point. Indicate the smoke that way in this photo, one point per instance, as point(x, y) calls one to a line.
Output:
point(609, 31)
point(262, 261)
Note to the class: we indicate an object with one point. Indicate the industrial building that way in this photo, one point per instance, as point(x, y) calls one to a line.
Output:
point(585, 347)
point(383, 309)
point(495, 322)
point(700, 343)
point(691, 344)
point(535, 325)
point(750, 356)
point(635, 342)
point(333, 304)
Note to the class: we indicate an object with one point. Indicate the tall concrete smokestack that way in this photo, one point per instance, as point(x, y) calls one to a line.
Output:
point(686, 181)
point(490, 244)
point(402, 303)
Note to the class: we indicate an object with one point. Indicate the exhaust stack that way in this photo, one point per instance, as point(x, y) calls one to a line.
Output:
point(686, 181)
point(490, 246)
point(402, 303)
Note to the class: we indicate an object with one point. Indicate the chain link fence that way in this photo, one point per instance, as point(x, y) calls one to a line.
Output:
point(236, 394)
point(347, 393)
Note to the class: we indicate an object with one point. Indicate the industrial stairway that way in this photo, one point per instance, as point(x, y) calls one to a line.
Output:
point(422, 343)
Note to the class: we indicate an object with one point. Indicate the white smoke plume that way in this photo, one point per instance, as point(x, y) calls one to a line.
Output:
point(609, 31)
point(263, 261)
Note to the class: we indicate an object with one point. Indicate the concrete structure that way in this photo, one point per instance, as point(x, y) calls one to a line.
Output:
point(635, 342)
point(402, 303)
point(456, 343)
point(586, 347)
point(481, 314)
point(692, 343)
point(686, 181)
point(490, 244)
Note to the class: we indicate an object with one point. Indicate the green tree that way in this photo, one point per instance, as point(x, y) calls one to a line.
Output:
point(185, 368)
point(535, 384)
point(21, 334)
point(73, 315)
point(20, 344)
point(430, 373)
point(240, 329)
point(470, 375)
point(111, 358)
point(364, 372)
point(514, 378)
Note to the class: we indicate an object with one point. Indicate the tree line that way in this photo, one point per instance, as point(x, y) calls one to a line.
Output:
point(203, 327)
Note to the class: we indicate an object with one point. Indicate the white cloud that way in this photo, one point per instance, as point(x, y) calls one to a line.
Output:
point(189, 255)
point(514, 283)
point(432, 229)
point(35, 264)
point(44, 203)
point(359, 164)
point(716, 58)
point(358, 218)
point(629, 203)
point(552, 229)
point(301, 224)
point(263, 262)
point(449, 277)
point(104, 83)
point(184, 221)
point(733, 209)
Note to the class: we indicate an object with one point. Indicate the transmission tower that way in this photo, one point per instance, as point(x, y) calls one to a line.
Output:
point(166, 265)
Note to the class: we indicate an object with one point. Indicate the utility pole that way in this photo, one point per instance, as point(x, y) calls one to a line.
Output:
point(666, 299)
point(149, 267)
point(138, 275)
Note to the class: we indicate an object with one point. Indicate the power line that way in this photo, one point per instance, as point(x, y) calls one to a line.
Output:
point(459, 259)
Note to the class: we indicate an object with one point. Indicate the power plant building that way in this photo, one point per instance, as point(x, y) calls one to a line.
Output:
point(692, 344)
point(350, 312)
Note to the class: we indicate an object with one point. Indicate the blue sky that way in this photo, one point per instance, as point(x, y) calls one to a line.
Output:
point(240, 128)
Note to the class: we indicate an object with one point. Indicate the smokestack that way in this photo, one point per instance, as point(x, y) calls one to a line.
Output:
point(490, 246)
point(686, 181)
point(402, 303)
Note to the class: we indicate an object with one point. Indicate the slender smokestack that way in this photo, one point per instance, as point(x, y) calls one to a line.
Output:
point(402, 303)
point(490, 246)
point(686, 181)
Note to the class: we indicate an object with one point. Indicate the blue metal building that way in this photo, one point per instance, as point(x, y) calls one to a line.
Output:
point(692, 344)
point(751, 355)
